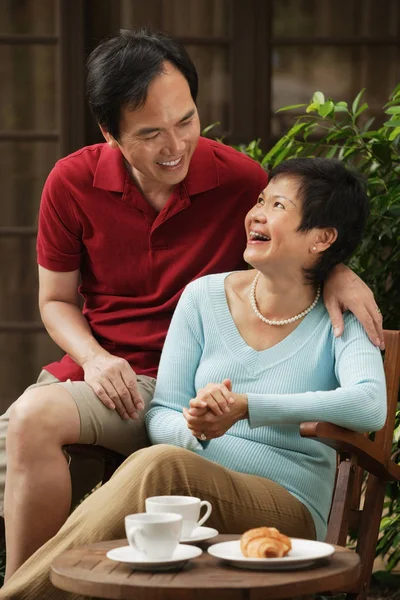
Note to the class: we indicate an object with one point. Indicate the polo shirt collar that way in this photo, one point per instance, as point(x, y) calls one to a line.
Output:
point(203, 172)
point(110, 172)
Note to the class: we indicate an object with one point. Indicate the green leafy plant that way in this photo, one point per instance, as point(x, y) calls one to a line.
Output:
point(335, 129)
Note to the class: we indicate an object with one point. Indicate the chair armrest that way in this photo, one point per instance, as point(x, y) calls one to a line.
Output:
point(370, 457)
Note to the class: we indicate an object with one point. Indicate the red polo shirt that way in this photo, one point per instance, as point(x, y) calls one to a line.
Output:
point(135, 262)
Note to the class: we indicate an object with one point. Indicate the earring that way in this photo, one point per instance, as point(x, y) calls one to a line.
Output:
point(313, 249)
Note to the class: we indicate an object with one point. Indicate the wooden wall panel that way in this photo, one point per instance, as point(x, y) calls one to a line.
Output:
point(28, 114)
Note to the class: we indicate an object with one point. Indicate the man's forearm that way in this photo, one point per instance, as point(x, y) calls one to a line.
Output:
point(69, 329)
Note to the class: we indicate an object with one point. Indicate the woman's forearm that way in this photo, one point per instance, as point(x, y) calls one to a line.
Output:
point(360, 408)
point(166, 426)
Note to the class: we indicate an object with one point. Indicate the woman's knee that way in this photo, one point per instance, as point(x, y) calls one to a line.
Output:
point(161, 469)
point(171, 470)
point(157, 455)
point(162, 452)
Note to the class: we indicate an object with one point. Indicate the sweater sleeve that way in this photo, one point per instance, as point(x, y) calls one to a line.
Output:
point(359, 403)
point(175, 381)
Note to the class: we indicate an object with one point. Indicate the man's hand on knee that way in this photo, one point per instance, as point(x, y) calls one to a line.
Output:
point(114, 382)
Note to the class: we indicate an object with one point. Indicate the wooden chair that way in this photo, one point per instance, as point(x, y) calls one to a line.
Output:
point(111, 460)
point(356, 454)
point(359, 455)
point(99, 463)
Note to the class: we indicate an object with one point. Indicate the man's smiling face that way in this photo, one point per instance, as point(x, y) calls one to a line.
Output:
point(158, 139)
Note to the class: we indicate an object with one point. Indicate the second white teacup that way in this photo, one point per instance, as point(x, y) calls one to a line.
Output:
point(154, 535)
point(187, 506)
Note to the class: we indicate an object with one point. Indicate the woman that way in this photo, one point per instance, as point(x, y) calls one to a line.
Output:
point(248, 356)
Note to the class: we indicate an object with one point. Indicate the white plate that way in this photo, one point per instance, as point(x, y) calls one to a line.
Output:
point(304, 553)
point(200, 534)
point(126, 554)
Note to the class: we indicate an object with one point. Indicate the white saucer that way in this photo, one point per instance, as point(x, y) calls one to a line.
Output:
point(200, 534)
point(181, 555)
point(304, 553)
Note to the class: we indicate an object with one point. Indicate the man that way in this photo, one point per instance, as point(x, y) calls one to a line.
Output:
point(134, 220)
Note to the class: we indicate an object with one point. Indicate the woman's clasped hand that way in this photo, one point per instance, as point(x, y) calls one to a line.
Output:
point(214, 410)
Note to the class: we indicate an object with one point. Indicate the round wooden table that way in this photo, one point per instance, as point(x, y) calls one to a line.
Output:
point(88, 572)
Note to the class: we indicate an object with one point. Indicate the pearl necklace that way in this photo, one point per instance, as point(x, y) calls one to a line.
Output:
point(284, 321)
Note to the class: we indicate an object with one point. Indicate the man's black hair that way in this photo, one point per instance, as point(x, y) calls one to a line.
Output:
point(332, 196)
point(121, 68)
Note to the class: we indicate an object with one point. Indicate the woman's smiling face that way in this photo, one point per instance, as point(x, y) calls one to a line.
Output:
point(272, 226)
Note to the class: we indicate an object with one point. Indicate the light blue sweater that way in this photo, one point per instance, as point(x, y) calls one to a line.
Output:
point(308, 376)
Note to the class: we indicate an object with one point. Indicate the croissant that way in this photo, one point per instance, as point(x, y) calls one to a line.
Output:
point(264, 542)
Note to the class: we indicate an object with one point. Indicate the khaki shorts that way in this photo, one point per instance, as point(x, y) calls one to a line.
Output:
point(99, 425)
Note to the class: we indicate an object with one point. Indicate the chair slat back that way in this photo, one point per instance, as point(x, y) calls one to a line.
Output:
point(364, 514)
point(384, 437)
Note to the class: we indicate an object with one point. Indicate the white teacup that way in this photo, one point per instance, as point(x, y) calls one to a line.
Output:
point(186, 506)
point(156, 536)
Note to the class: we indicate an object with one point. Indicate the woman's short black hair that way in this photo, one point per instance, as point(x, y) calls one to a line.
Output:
point(121, 68)
point(332, 196)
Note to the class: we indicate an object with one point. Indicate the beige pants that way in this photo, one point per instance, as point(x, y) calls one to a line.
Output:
point(239, 501)
point(99, 426)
